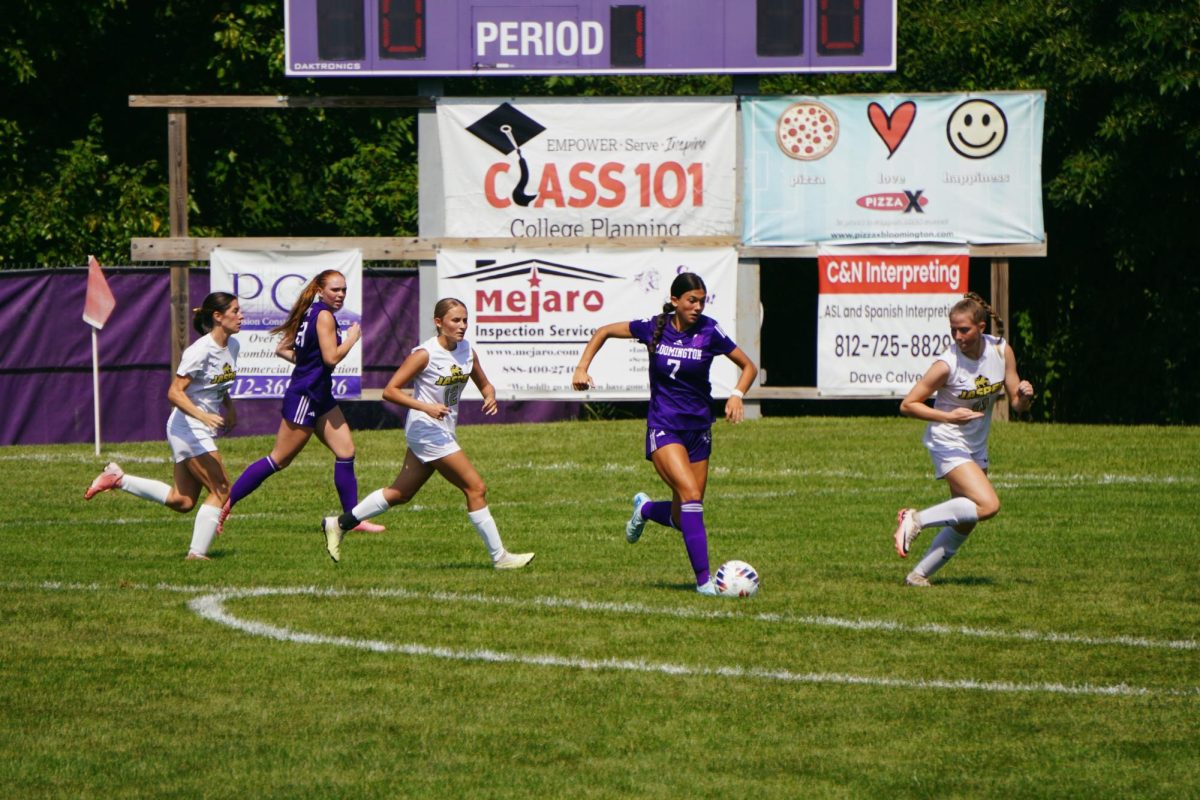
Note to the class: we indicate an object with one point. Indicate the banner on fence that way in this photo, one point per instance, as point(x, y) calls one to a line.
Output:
point(597, 168)
point(894, 168)
point(882, 315)
point(266, 284)
point(531, 313)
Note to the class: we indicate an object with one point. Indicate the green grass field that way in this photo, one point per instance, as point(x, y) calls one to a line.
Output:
point(1056, 656)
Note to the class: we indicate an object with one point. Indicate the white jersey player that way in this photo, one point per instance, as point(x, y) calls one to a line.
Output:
point(966, 381)
point(438, 369)
point(202, 409)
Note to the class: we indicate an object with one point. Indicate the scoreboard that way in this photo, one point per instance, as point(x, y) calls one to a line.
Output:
point(356, 38)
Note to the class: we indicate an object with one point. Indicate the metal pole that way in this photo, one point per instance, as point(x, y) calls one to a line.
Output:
point(96, 386)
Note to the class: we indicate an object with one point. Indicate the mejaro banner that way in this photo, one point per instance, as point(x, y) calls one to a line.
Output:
point(266, 285)
point(536, 168)
point(893, 168)
point(531, 313)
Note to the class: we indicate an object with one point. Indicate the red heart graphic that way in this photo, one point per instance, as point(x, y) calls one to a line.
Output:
point(892, 129)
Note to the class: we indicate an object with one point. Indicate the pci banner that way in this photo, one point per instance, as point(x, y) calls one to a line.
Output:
point(266, 284)
point(882, 315)
point(532, 312)
point(612, 168)
point(894, 168)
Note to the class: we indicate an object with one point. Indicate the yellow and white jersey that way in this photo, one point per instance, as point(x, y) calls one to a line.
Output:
point(442, 381)
point(977, 384)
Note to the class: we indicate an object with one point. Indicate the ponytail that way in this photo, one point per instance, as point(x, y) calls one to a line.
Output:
point(979, 311)
point(215, 303)
point(291, 325)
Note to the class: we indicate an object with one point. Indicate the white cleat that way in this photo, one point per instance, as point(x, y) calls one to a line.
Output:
point(509, 560)
point(915, 578)
point(108, 479)
point(333, 537)
point(194, 556)
point(636, 523)
point(708, 588)
point(907, 530)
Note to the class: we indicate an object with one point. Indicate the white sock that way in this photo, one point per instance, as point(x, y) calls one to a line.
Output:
point(955, 511)
point(371, 506)
point(155, 491)
point(944, 545)
point(204, 529)
point(486, 526)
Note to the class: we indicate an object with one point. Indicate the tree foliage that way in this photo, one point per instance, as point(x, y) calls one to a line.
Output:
point(81, 172)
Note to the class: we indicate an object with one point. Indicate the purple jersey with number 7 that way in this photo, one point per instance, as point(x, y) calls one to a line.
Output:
point(680, 393)
point(311, 376)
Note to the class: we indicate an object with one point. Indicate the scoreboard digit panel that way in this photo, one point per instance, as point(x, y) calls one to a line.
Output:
point(587, 37)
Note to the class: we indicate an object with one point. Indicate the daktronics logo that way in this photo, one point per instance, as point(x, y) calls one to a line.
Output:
point(904, 202)
point(514, 293)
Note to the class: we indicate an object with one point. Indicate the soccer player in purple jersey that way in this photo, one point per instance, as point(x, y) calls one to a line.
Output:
point(682, 344)
point(311, 340)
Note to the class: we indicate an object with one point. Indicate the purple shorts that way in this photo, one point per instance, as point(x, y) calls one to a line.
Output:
point(697, 443)
point(304, 410)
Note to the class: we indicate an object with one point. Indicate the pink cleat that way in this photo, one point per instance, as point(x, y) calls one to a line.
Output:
point(225, 509)
point(366, 526)
point(907, 529)
point(109, 479)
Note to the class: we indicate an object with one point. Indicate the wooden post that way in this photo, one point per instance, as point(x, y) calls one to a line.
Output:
point(1000, 306)
point(177, 180)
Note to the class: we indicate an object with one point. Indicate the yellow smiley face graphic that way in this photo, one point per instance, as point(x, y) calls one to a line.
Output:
point(977, 129)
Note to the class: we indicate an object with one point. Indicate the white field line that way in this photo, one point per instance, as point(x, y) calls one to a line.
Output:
point(212, 608)
point(641, 609)
point(1011, 479)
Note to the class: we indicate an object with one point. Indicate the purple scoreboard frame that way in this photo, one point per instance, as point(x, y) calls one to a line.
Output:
point(356, 38)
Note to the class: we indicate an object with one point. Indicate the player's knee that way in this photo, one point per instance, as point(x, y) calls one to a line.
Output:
point(476, 490)
point(181, 503)
point(396, 497)
point(988, 508)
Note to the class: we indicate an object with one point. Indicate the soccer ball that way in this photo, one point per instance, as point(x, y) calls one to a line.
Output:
point(736, 579)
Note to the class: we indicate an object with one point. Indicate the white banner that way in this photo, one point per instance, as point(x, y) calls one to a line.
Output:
point(893, 168)
point(613, 168)
point(882, 315)
point(532, 313)
point(266, 284)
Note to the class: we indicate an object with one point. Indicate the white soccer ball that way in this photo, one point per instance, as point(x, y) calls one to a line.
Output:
point(736, 579)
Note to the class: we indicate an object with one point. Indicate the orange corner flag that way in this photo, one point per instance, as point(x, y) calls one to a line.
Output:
point(100, 301)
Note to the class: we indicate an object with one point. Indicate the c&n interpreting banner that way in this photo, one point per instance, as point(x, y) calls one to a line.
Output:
point(614, 168)
point(894, 168)
point(266, 284)
point(883, 315)
point(531, 313)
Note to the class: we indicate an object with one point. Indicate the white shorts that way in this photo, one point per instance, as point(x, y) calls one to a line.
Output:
point(947, 458)
point(429, 443)
point(188, 437)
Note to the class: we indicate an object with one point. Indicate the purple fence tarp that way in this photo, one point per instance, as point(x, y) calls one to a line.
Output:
point(46, 364)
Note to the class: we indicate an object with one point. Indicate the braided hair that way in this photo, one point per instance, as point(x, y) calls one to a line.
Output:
point(684, 282)
point(979, 310)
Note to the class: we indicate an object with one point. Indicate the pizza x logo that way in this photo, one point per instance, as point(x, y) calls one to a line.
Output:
point(914, 201)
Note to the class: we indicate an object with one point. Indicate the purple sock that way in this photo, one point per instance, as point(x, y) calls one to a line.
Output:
point(695, 538)
point(346, 482)
point(251, 478)
point(659, 512)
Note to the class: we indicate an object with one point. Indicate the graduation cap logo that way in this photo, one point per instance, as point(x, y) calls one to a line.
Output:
point(506, 129)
